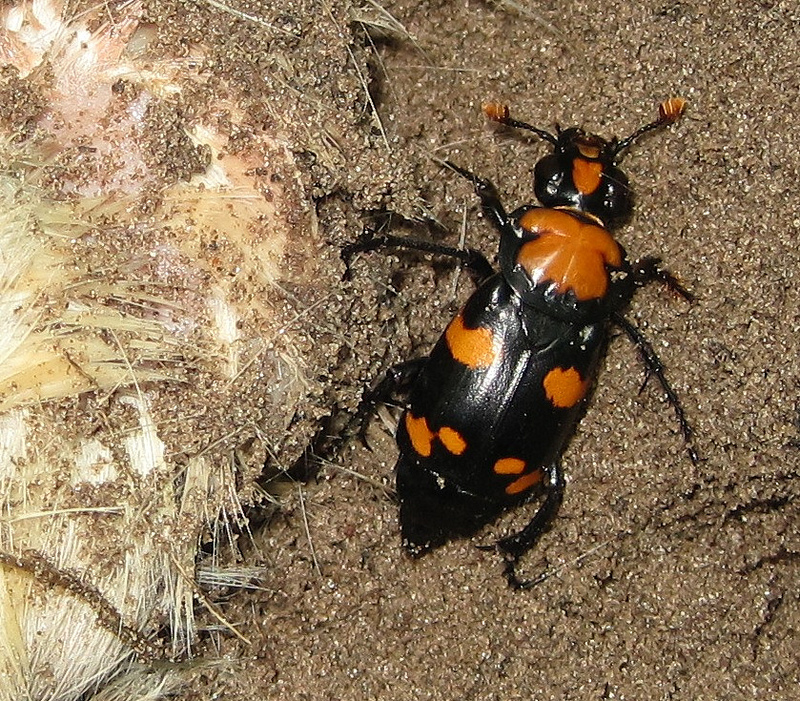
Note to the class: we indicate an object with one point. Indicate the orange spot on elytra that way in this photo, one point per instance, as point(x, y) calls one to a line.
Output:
point(564, 387)
point(472, 347)
point(586, 175)
point(420, 434)
point(524, 482)
point(452, 440)
point(509, 466)
point(570, 253)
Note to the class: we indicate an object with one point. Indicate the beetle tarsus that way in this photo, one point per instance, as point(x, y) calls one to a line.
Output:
point(647, 270)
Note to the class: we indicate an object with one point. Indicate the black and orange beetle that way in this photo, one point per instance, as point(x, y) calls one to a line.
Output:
point(491, 408)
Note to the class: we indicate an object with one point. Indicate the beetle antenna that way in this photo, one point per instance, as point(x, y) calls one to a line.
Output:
point(498, 112)
point(669, 112)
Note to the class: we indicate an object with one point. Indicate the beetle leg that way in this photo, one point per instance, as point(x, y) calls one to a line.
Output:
point(656, 367)
point(514, 546)
point(396, 380)
point(647, 270)
point(487, 192)
point(470, 258)
point(333, 435)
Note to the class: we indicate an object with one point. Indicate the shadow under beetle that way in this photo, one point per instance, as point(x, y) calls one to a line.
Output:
point(490, 410)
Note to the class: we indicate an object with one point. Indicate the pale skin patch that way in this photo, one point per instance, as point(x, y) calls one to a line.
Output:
point(471, 347)
point(570, 253)
point(564, 387)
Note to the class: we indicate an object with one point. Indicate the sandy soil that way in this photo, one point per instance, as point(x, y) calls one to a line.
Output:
point(666, 580)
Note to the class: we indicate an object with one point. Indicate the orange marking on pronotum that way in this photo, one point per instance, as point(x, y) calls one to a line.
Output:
point(420, 434)
point(570, 253)
point(564, 387)
point(509, 466)
point(586, 175)
point(472, 347)
point(452, 440)
point(525, 482)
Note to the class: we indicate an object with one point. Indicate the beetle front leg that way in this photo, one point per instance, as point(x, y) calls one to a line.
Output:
point(470, 258)
point(655, 367)
point(490, 200)
point(647, 270)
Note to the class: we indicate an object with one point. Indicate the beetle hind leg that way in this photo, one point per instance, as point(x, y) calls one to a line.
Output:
point(514, 546)
point(397, 380)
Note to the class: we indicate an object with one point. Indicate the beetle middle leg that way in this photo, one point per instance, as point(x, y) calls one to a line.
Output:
point(656, 367)
point(397, 380)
